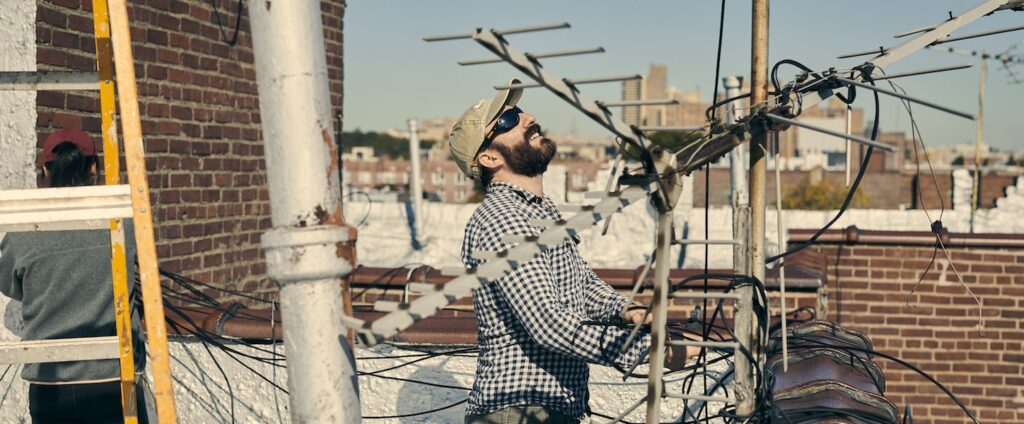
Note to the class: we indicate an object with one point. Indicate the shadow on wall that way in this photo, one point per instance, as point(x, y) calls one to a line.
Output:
point(416, 398)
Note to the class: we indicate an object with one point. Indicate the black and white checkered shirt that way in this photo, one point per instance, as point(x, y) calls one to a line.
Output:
point(535, 342)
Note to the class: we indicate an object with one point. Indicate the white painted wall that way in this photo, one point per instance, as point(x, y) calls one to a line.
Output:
point(17, 150)
point(384, 237)
point(17, 108)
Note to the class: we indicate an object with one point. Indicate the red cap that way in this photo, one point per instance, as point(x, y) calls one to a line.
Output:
point(72, 135)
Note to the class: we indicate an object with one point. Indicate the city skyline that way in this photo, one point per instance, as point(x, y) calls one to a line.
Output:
point(392, 75)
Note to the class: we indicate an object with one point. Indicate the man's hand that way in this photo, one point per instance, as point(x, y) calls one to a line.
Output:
point(678, 356)
point(636, 316)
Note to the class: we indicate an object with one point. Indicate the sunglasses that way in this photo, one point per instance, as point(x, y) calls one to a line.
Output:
point(506, 121)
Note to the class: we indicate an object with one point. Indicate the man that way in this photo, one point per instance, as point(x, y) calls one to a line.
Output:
point(540, 325)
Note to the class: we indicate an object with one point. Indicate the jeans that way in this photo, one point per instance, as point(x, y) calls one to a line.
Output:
point(81, 403)
point(522, 415)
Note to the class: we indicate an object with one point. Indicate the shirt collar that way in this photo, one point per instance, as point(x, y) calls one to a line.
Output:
point(526, 195)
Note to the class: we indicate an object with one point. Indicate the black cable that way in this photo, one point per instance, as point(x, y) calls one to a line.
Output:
point(227, 381)
point(238, 22)
point(409, 380)
point(178, 278)
point(853, 186)
point(405, 364)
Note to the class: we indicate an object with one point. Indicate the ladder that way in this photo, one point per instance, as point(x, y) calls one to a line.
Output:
point(101, 207)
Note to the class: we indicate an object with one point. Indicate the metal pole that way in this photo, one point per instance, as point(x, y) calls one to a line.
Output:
point(755, 243)
point(309, 247)
point(849, 128)
point(655, 381)
point(738, 168)
point(976, 188)
point(415, 177)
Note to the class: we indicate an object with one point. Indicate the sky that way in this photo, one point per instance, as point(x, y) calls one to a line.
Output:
point(392, 75)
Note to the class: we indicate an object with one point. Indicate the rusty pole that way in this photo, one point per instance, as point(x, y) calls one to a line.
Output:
point(755, 243)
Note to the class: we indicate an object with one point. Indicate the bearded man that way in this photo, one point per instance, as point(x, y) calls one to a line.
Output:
point(540, 325)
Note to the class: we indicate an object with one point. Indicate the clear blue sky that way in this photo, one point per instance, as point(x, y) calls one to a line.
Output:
point(392, 75)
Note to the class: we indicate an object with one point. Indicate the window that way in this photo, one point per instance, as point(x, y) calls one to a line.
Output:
point(461, 195)
point(461, 178)
point(364, 177)
point(438, 177)
point(579, 180)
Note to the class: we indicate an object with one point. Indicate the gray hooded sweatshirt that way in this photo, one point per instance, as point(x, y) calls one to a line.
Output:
point(64, 282)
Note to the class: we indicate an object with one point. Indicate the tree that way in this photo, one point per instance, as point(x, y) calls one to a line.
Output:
point(383, 144)
point(821, 195)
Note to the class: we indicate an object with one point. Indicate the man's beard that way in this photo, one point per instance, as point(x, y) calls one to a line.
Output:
point(526, 160)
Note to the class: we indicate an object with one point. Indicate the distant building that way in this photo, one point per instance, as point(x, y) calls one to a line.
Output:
point(688, 112)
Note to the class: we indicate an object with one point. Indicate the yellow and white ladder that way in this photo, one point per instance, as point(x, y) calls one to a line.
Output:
point(95, 207)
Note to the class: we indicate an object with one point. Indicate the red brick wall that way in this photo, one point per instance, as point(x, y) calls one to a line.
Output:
point(200, 122)
point(869, 287)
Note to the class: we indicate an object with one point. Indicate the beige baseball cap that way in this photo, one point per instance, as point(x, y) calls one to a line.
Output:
point(468, 135)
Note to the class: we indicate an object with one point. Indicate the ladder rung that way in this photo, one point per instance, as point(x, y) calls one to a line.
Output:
point(61, 350)
point(65, 208)
point(49, 80)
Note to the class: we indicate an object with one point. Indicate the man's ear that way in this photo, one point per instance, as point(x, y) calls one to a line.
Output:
point(490, 159)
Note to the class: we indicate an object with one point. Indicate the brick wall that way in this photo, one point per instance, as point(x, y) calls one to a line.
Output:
point(200, 123)
point(870, 281)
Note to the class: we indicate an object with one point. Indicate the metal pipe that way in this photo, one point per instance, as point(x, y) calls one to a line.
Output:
point(978, 34)
point(722, 345)
point(904, 97)
point(851, 137)
point(737, 169)
point(309, 247)
point(672, 128)
point(936, 33)
point(922, 72)
point(698, 241)
point(655, 380)
point(975, 186)
point(571, 81)
point(701, 295)
point(849, 150)
point(509, 31)
point(639, 102)
point(745, 395)
point(534, 56)
point(884, 50)
point(781, 238)
point(415, 178)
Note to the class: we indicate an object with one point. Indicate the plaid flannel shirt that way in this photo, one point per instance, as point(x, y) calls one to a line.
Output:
point(535, 342)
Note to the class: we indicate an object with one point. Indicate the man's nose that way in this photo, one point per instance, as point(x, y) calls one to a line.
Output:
point(527, 119)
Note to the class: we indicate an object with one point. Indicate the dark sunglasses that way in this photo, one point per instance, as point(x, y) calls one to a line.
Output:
point(506, 121)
